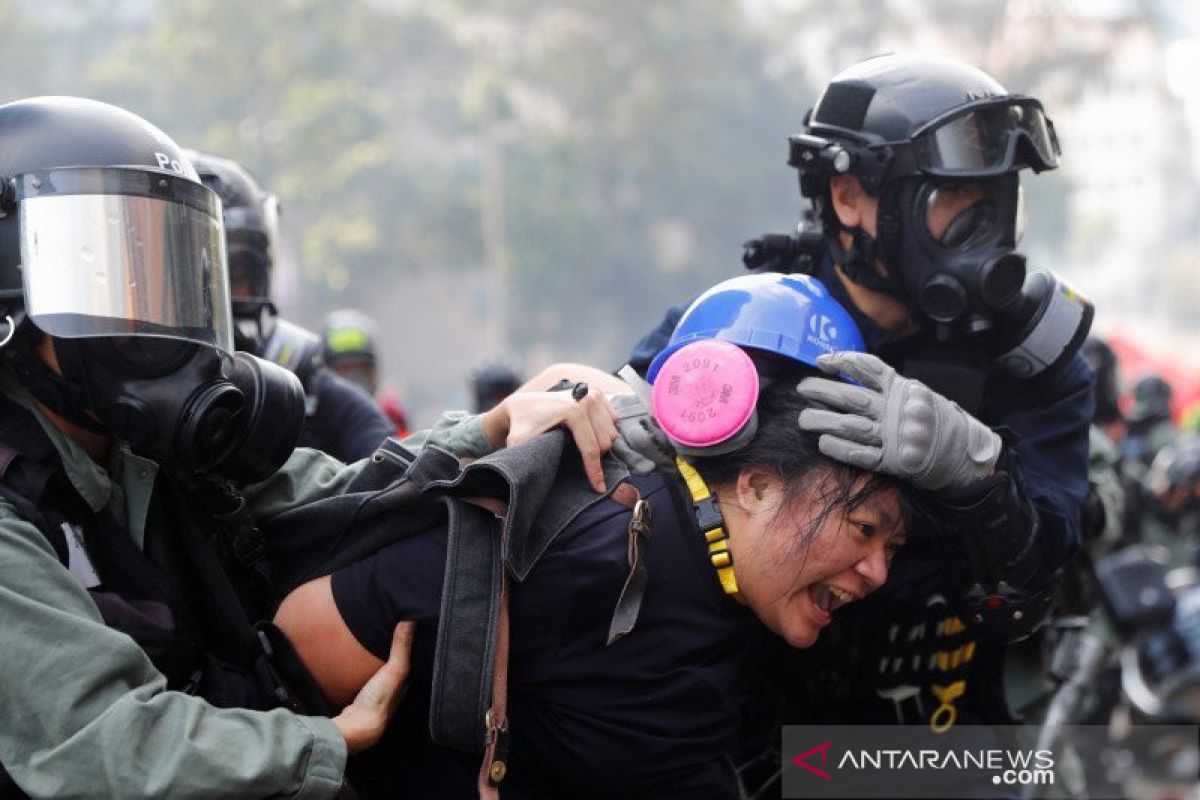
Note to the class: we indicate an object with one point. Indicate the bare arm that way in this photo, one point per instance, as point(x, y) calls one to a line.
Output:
point(593, 377)
point(363, 687)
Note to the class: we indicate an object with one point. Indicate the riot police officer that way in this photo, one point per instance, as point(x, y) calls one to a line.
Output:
point(340, 418)
point(349, 339)
point(137, 453)
point(130, 432)
point(492, 381)
point(1149, 427)
point(974, 390)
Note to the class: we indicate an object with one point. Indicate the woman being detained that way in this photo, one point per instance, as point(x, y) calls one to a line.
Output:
point(754, 527)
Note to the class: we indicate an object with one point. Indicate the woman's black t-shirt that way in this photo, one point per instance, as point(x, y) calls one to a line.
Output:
point(652, 715)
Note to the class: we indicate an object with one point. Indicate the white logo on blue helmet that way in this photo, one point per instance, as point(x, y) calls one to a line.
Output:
point(822, 327)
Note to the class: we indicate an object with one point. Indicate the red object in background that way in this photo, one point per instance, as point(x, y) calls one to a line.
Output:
point(393, 409)
point(1135, 361)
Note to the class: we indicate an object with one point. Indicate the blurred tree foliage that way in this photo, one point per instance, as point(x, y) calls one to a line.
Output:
point(601, 159)
point(536, 177)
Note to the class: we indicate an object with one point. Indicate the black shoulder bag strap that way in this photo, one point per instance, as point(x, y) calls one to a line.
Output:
point(468, 708)
point(467, 626)
point(263, 646)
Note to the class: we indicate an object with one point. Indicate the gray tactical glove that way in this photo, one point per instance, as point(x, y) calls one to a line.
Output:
point(642, 445)
point(896, 425)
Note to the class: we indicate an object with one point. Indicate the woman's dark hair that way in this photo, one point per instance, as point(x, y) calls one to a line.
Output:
point(793, 454)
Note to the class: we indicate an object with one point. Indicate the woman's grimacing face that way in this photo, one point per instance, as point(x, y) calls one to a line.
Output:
point(792, 587)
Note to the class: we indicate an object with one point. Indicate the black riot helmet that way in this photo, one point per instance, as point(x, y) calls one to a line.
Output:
point(111, 246)
point(940, 144)
point(491, 382)
point(1103, 361)
point(1152, 396)
point(251, 217)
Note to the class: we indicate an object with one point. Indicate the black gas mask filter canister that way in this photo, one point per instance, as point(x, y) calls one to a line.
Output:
point(192, 408)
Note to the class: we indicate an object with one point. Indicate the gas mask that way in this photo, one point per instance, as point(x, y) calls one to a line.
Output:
point(193, 408)
point(950, 245)
point(125, 268)
point(956, 241)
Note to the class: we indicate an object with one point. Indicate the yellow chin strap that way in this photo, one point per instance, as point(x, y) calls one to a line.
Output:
point(709, 520)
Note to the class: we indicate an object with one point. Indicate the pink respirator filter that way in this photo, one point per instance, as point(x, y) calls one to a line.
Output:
point(705, 393)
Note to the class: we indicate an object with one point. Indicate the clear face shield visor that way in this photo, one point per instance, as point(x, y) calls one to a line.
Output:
point(123, 252)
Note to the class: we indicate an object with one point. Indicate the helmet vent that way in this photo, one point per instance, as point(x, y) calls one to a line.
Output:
point(844, 105)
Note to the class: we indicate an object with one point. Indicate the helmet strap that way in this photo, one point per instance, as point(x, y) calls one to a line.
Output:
point(858, 261)
point(66, 397)
point(712, 527)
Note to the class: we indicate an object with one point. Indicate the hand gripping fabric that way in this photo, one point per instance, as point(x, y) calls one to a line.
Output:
point(896, 425)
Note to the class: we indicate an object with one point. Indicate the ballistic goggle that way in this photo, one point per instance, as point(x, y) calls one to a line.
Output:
point(985, 138)
point(982, 139)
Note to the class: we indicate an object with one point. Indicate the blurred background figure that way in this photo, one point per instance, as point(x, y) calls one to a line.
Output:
point(1103, 361)
point(491, 382)
point(1149, 426)
point(340, 418)
point(1173, 483)
point(348, 337)
point(349, 343)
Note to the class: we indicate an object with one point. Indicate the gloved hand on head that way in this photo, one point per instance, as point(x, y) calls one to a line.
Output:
point(896, 425)
point(642, 444)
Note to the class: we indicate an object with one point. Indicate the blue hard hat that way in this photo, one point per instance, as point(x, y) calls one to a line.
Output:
point(790, 315)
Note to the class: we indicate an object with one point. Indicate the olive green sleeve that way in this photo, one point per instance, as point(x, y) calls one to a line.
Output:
point(312, 475)
point(307, 475)
point(457, 432)
point(83, 712)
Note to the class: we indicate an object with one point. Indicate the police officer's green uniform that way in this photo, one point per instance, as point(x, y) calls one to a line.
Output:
point(76, 692)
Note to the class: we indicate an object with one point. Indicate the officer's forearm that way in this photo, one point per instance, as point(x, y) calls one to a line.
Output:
point(998, 528)
point(999, 531)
